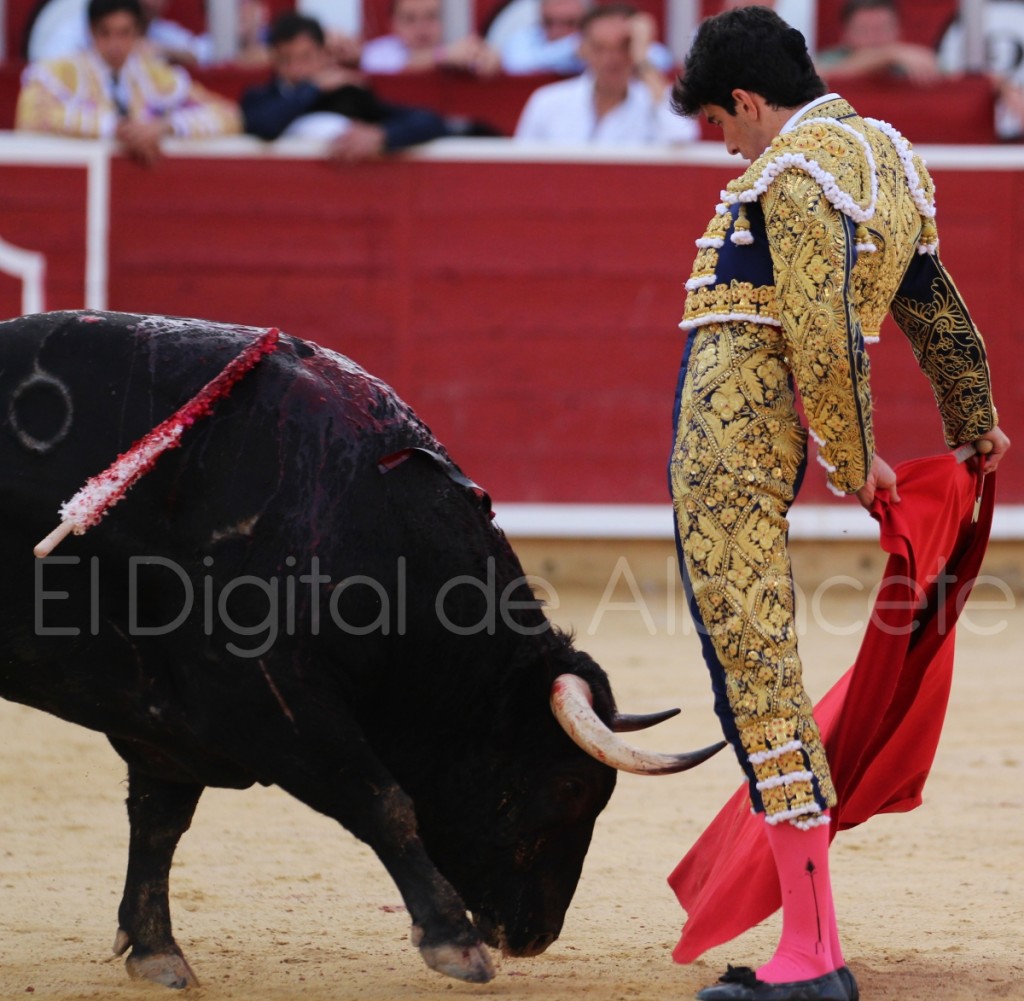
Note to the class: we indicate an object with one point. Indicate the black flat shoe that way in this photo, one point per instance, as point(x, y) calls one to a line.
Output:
point(740, 983)
point(852, 990)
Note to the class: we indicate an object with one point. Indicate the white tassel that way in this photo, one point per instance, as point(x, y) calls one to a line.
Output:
point(811, 822)
point(693, 284)
point(741, 235)
point(709, 318)
point(760, 757)
point(797, 811)
point(784, 780)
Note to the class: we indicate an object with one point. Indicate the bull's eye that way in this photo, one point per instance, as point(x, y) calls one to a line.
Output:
point(571, 790)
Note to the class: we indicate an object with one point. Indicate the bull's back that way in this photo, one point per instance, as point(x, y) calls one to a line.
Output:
point(282, 480)
point(78, 389)
point(283, 470)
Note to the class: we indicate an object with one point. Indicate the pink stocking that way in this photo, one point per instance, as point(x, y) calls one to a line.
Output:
point(833, 935)
point(808, 916)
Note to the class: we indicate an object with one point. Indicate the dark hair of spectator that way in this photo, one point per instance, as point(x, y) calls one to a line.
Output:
point(752, 49)
point(606, 10)
point(99, 9)
point(289, 26)
point(853, 7)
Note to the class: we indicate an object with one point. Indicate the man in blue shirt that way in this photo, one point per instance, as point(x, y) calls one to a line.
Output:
point(313, 95)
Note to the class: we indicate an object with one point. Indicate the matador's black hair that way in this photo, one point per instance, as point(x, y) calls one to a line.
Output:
point(750, 48)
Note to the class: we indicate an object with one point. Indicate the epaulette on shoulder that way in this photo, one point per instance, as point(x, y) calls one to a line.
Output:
point(837, 155)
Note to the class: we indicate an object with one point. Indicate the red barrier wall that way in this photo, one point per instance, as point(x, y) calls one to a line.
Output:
point(528, 311)
point(44, 209)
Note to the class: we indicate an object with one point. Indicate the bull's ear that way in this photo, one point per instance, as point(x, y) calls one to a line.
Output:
point(571, 703)
point(629, 722)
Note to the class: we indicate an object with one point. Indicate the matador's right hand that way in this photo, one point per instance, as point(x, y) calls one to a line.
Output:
point(880, 477)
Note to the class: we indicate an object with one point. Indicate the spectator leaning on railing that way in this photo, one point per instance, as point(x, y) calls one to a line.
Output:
point(872, 44)
point(111, 90)
point(312, 95)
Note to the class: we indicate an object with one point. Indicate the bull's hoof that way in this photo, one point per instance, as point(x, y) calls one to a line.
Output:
point(464, 962)
point(472, 963)
point(169, 969)
point(165, 968)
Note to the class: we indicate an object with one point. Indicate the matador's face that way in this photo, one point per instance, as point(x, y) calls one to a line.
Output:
point(744, 132)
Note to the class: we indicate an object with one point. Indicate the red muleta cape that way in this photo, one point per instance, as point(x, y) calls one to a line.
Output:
point(881, 721)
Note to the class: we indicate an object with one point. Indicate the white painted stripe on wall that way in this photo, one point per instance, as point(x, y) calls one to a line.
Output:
point(97, 231)
point(843, 522)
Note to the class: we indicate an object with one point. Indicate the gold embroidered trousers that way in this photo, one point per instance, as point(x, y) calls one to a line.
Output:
point(738, 457)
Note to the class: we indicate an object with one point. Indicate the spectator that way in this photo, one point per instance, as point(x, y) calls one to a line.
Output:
point(312, 94)
point(61, 28)
point(111, 90)
point(416, 43)
point(872, 44)
point(620, 98)
point(547, 45)
point(179, 45)
point(551, 44)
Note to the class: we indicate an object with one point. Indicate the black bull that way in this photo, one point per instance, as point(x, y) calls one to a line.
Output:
point(271, 603)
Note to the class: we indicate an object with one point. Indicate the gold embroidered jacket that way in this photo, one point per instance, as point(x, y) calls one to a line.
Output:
point(848, 215)
point(76, 97)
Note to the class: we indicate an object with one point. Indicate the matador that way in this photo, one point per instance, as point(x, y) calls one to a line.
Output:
point(831, 227)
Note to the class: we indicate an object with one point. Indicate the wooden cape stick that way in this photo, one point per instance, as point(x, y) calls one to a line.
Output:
point(102, 491)
point(964, 452)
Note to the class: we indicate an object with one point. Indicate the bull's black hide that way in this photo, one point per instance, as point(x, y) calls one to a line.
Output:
point(270, 604)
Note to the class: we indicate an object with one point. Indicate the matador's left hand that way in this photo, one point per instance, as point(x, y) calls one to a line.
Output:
point(880, 477)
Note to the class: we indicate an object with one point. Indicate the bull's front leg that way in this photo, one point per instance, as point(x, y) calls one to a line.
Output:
point(340, 776)
point(159, 812)
point(447, 940)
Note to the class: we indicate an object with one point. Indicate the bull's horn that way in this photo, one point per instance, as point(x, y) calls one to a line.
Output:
point(628, 722)
point(571, 703)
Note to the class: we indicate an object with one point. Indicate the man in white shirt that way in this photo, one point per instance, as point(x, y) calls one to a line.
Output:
point(621, 98)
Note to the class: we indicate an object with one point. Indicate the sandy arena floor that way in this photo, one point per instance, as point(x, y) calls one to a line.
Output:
point(272, 901)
